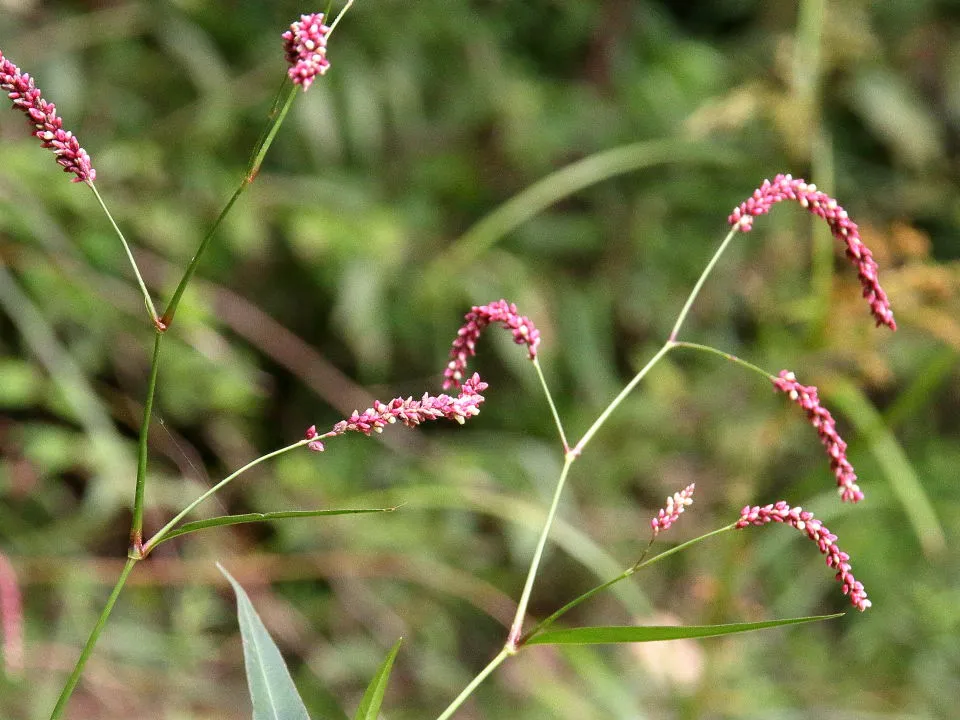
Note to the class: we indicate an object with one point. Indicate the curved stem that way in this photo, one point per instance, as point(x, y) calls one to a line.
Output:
point(517, 628)
point(468, 690)
point(702, 279)
point(726, 356)
point(553, 407)
point(91, 642)
point(136, 525)
point(133, 263)
point(159, 535)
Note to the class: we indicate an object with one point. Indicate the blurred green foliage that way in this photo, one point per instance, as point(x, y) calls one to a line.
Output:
point(342, 275)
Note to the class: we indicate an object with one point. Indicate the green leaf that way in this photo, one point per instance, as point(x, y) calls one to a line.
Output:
point(272, 691)
point(261, 517)
point(655, 633)
point(369, 708)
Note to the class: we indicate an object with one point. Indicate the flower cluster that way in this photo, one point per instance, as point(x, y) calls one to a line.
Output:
point(48, 126)
point(11, 617)
point(805, 522)
point(784, 187)
point(408, 411)
point(806, 397)
point(675, 506)
point(305, 44)
point(465, 345)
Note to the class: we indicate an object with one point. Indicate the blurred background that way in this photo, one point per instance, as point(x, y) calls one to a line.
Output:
point(580, 159)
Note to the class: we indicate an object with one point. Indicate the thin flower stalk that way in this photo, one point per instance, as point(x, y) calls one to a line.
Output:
point(806, 397)
point(826, 541)
point(465, 345)
point(785, 187)
point(47, 124)
point(674, 508)
point(408, 411)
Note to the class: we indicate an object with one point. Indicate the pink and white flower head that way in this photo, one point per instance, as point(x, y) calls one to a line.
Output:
point(305, 44)
point(807, 398)
point(674, 508)
point(408, 411)
point(48, 126)
point(785, 187)
point(465, 345)
point(826, 541)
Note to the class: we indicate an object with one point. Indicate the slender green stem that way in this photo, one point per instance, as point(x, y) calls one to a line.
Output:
point(136, 525)
point(133, 263)
point(517, 628)
point(253, 168)
point(598, 423)
point(91, 642)
point(702, 279)
point(468, 690)
point(159, 535)
point(553, 407)
point(725, 355)
point(340, 15)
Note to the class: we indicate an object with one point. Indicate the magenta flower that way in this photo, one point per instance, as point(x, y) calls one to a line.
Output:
point(465, 345)
point(48, 126)
point(675, 506)
point(806, 397)
point(826, 541)
point(408, 411)
point(784, 187)
point(305, 44)
point(11, 617)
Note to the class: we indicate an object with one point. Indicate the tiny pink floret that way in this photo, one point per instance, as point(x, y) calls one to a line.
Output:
point(48, 126)
point(408, 411)
point(465, 344)
point(807, 398)
point(784, 187)
point(826, 541)
point(305, 45)
point(675, 505)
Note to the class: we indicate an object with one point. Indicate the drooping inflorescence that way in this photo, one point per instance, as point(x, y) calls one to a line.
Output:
point(675, 505)
point(408, 411)
point(806, 396)
point(48, 126)
point(305, 44)
point(465, 344)
point(785, 187)
point(805, 522)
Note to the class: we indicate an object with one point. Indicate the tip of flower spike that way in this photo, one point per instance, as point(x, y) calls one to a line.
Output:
point(673, 509)
point(479, 317)
point(305, 45)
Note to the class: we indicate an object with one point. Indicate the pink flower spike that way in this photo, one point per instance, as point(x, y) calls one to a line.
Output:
point(48, 126)
point(805, 522)
point(674, 508)
point(465, 344)
point(784, 187)
point(408, 411)
point(305, 45)
point(11, 617)
point(821, 419)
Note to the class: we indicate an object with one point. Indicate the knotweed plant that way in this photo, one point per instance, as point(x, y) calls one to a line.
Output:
point(305, 45)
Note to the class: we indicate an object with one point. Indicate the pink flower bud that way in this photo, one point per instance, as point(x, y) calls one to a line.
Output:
point(675, 506)
point(305, 44)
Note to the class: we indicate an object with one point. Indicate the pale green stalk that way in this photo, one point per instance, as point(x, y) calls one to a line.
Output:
point(725, 355)
point(702, 279)
point(468, 690)
point(553, 407)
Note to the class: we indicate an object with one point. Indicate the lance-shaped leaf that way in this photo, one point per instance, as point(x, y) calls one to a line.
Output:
point(369, 708)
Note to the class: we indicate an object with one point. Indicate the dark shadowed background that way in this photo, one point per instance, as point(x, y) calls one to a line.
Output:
point(343, 274)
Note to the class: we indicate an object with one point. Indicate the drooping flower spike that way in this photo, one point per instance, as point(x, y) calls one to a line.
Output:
point(806, 396)
point(465, 345)
point(48, 126)
point(805, 522)
point(785, 187)
point(674, 508)
point(408, 411)
point(305, 45)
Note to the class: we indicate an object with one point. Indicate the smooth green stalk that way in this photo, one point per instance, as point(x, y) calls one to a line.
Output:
point(517, 627)
point(553, 407)
point(133, 263)
point(468, 690)
point(159, 535)
point(136, 525)
point(725, 355)
point(91, 642)
point(702, 279)
point(253, 168)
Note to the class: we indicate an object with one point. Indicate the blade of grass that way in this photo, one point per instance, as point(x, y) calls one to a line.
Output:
point(369, 708)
